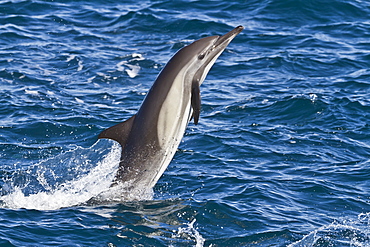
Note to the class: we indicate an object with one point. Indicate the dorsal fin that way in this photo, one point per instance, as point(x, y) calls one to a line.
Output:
point(195, 101)
point(118, 132)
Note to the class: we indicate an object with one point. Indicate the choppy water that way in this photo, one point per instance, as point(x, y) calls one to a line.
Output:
point(280, 156)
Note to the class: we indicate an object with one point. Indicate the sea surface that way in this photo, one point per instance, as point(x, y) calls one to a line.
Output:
point(281, 154)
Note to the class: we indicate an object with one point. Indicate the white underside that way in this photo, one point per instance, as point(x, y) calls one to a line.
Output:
point(172, 122)
point(173, 119)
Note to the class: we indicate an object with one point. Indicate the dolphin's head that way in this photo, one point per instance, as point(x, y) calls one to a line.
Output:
point(203, 53)
point(193, 62)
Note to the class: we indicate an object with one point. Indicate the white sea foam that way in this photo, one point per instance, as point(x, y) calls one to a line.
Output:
point(132, 70)
point(70, 58)
point(80, 65)
point(74, 57)
point(346, 233)
point(32, 92)
point(68, 193)
point(190, 232)
point(79, 100)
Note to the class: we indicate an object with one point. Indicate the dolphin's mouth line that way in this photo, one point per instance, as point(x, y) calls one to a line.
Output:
point(221, 41)
point(228, 36)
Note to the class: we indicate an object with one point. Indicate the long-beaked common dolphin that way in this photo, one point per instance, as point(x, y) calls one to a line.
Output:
point(150, 138)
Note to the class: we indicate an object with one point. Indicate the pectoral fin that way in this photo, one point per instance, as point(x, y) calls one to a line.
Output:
point(195, 101)
point(118, 132)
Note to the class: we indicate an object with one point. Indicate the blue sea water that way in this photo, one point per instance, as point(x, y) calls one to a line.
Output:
point(281, 154)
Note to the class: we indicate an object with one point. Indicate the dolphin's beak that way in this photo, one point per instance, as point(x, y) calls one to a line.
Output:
point(226, 38)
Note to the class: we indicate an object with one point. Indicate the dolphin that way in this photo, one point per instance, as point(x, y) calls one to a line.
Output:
point(150, 138)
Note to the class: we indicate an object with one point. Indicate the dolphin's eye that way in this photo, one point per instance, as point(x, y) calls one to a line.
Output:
point(201, 56)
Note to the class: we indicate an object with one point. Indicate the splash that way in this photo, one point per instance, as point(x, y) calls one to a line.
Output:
point(70, 179)
point(133, 67)
point(190, 232)
point(344, 233)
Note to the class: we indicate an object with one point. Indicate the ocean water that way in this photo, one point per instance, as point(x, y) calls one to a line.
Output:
point(281, 154)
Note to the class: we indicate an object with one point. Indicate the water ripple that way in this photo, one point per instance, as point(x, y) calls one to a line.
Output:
point(280, 155)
